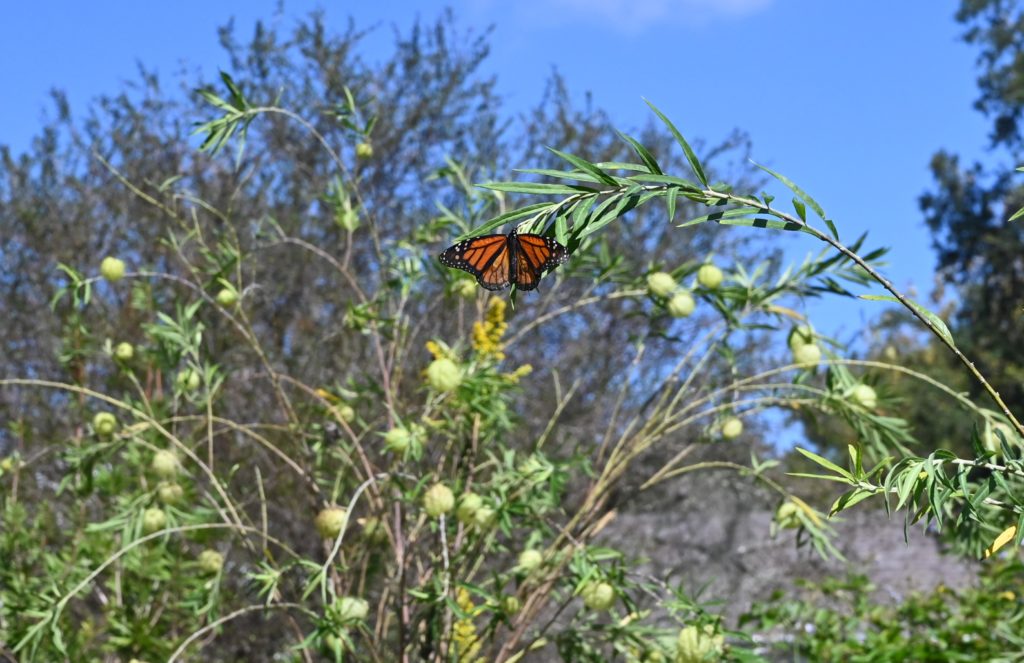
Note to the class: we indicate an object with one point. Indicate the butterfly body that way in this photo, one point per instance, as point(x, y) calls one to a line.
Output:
point(498, 261)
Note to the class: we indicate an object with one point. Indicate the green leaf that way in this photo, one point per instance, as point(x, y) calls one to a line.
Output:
point(686, 185)
point(604, 215)
point(561, 228)
point(811, 202)
point(536, 188)
point(849, 499)
point(586, 166)
point(825, 462)
point(687, 150)
point(670, 202)
point(507, 217)
point(801, 209)
point(643, 153)
point(575, 175)
point(937, 324)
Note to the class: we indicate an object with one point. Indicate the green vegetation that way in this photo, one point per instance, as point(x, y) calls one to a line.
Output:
point(276, 428)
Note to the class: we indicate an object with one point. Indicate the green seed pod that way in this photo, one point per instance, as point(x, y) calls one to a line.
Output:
point(124, 352)
point(798, 336)
point(681, 305)
point(352, 609)
point(165, 464)
point(710, 276)
point(807, 356)
point(153, 520)
point(469, 504)
point(732, 428)
point(210, 561)
point(438, 500)
point(104, 423)
point(397, 440)
point(598, 596)
point(864, 396)
point(330, 521)
point(697, 645)
point(530, 559)
point(661, 284)
point(787, 515)
point(444, 375)
point(170, 493)
point(227, 297)
point(112, 269)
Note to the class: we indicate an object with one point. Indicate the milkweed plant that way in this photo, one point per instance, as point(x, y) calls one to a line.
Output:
point(432, 529)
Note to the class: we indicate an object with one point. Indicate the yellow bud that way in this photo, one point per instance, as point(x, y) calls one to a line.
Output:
point(124, 352)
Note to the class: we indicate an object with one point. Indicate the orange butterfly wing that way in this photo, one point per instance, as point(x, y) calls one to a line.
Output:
point(499, 260)
point(535, 254)
point(485, 257)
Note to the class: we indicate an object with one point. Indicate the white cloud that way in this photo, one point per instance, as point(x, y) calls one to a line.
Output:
point(630, 16)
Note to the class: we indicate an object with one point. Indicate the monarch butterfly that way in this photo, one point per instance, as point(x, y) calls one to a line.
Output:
point(499, 260)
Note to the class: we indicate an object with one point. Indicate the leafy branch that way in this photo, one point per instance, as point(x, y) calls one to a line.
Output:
point(605, 197)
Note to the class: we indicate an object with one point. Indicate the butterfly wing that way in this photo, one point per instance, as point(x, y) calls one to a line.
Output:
point(533, 255)
point(485, 257)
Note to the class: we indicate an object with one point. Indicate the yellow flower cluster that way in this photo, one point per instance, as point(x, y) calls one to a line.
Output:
point(518, 374)
point(487, 334)
point(464, 635)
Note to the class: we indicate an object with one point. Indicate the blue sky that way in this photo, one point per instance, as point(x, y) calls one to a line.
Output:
point(848, 99)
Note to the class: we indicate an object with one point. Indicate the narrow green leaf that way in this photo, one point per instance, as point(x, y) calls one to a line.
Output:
point(627, 201)
point(824, 477)
point(586, 166)
point(535, 188)
point(824, 462)
point(729, 213)
point(574, 175)
point(687, 150)
point(811, 202)
point(507, 217)
point(849, 499)
point(686, 185)
point(937, 324)
point(670, 202)
point(622, 165)
point(801, 209)
point(561, 228)
point(643, 153)
point(832, 228)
